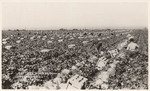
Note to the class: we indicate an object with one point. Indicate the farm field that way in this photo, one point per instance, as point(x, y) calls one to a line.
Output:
point(34, 59)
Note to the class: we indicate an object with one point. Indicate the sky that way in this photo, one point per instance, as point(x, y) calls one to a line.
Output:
point(69, 15)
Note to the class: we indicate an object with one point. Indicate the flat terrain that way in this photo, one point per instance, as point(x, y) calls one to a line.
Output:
point(41, 55)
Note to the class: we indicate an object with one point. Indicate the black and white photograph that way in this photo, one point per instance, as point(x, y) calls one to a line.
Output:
point(74, 45)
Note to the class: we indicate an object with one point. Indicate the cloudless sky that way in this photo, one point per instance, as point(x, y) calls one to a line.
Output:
point(56, 15)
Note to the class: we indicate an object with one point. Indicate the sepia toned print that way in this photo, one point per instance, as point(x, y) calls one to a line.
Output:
point(40, 53)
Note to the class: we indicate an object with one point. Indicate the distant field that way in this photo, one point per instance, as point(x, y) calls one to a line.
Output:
point(38, 52)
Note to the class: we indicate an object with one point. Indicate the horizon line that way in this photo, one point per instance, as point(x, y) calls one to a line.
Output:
point(77, 29)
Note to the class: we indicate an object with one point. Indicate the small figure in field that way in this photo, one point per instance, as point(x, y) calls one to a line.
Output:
point(132, 49)
point(132, 46)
